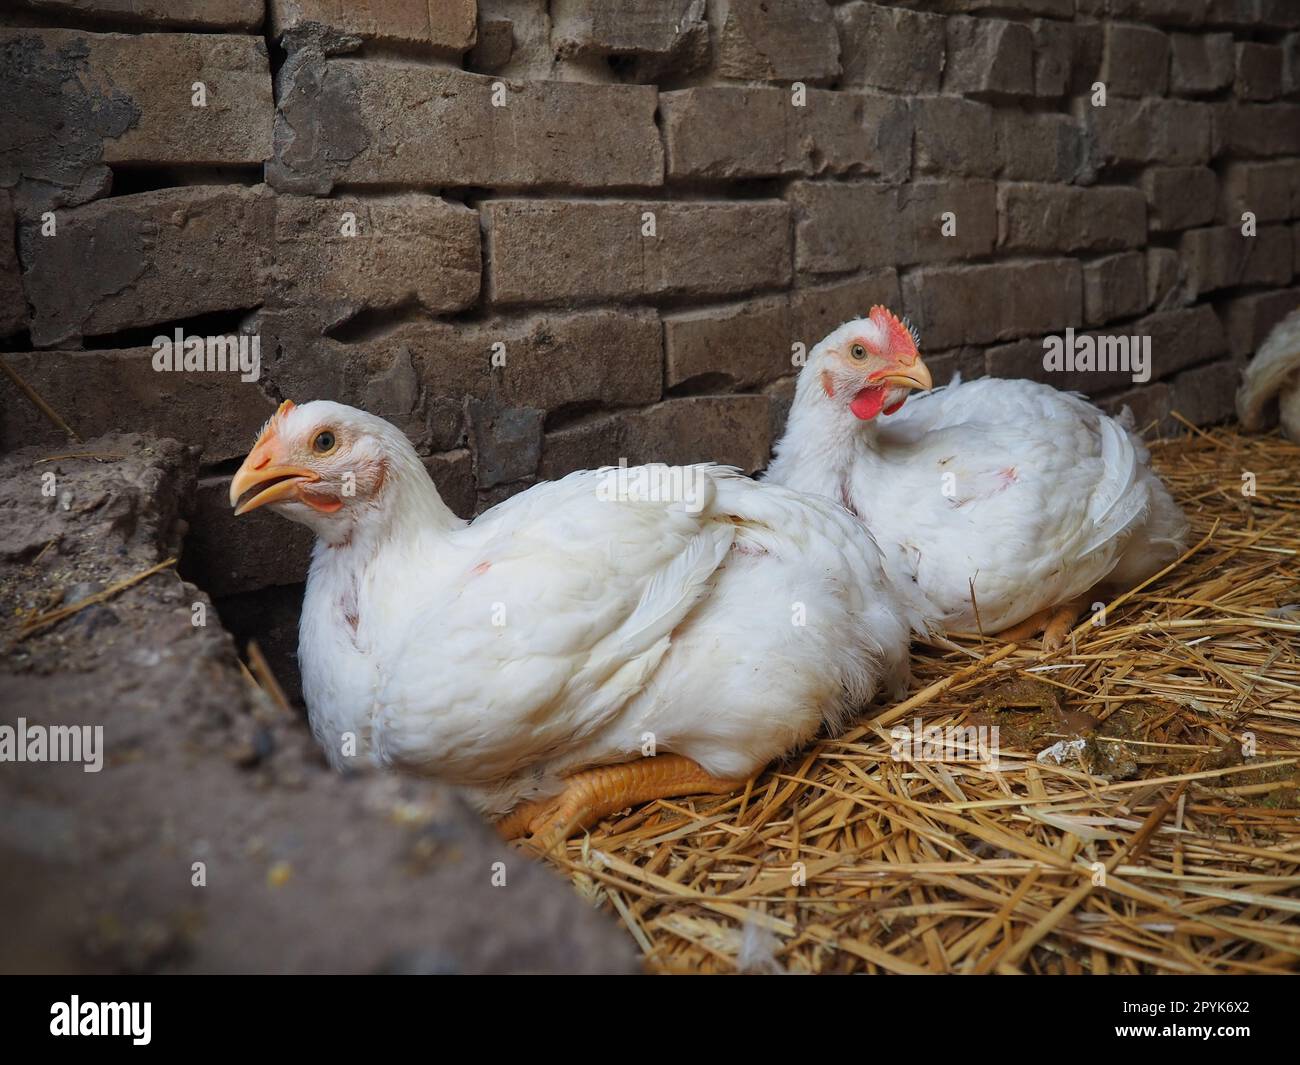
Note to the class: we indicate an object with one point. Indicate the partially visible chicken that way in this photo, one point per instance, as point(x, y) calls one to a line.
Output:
point(1003, 503)
point(574, 625)
point(1270, 384)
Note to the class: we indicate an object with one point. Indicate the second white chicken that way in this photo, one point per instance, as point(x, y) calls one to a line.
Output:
point(1001, 503)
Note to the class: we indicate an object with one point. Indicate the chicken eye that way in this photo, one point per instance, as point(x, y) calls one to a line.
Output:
point(858, 351)
point(324, 442)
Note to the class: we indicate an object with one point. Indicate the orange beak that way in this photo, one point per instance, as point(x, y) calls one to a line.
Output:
point(269, 481)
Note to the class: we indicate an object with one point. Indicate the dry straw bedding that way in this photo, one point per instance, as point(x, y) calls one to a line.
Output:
point(1162, 846)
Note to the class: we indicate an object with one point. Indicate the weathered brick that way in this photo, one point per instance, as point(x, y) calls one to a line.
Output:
point(842, 227)
point(1166, 280)
point(1147, 404)
point(955, 305)
point(1161, 12)
point(1054, 8)
point(119, 390)
point(1054, 48)
point(819, 309)
point(1035, 217)
point(506, 441)
point(1252, 14)
point(165, 14)
point(1087, 56)
point(13, 303)
point(445, 27)
point(1270, 191)
point(748, 343)
point(1027, 359)
point(989, 56)
point(728, 429)
point(1247, 320)
point(453, 474)
point(1202, 63)
point(1179, 339)
point(732, 430)
point(177, 253)
point(1276, 14)
point(1259, 130)
point(377, 253)
point(301, 362)
point(728, 133)
point(543, 251)
point(493, 48)
point(777, 40)
point(1206, 395)
point(954, 136)
point(651, 42)
point(226, 555)
point(420, 374)
point(945, 365)
point(942, 220)
point(369, 122)
point(1291, 64)
point(1040, 147)
point(1114, 286)
point(890, 48)
point(1136, 60)
point(1152, 130)
point(1179, 197)
point(627, 27)
point(152, 257)
point(780, 396)
point(1259, 71)
point(1221, 257)
point(79, 100)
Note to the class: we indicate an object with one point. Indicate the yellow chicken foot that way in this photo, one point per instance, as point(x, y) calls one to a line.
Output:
point(595, 793)
point(1031, 626)
point(1054, 623)
point(1063, 620)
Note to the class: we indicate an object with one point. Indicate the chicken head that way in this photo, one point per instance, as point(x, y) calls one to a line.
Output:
point(869, 365)
point(313, 464)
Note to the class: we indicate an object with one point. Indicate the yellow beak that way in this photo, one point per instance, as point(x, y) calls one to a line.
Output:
point(276, 483)
point(915, 376)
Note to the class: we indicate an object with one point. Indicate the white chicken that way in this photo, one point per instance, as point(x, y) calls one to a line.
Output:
point(1005, 503)
point(537, 654)
point(1270, 383)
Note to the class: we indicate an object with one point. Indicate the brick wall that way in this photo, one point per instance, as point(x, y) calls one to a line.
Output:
point(546, 236)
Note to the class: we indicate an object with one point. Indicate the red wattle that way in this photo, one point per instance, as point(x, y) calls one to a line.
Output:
point(867, 403)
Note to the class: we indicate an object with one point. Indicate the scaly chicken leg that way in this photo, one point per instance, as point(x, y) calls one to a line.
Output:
point(1054, 623)
point(595, 793)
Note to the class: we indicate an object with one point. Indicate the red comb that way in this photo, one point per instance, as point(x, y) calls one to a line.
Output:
point(901, 340)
